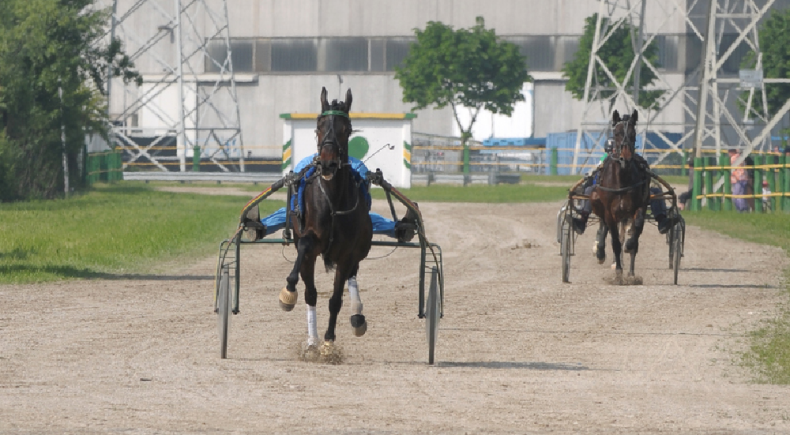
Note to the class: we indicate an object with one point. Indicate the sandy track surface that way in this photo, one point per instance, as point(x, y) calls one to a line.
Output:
point(518, 351)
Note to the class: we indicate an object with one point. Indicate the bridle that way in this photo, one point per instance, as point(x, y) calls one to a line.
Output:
point(330, 138)
point(629, 141)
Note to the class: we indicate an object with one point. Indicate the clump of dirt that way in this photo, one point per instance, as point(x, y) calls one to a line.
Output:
point(623, 280)
point(525, 244)
point(327, 353)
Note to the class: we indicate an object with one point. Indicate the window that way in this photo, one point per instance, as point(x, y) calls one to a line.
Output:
point(345, 54)
point(294, 55)
point(395, 51)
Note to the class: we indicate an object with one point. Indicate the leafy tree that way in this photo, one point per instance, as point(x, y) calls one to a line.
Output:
point(464, 67)
point(617, 53)
point(775, 48)
point(52, 73)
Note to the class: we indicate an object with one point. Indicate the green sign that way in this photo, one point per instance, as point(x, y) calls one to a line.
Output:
point(358, 147)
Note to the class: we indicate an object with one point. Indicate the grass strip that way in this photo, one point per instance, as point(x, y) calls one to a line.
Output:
point(768, 354)
point(503, 193)
point(112, 231)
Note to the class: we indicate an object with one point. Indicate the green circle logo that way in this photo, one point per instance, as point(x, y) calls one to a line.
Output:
point(358, 147)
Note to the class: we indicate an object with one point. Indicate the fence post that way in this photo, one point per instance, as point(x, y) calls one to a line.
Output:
point(784, 200)
point(724, 162)
point(466, 160)
point(113, 166)
point(710, 200)
point(696, 203)
point(758, 183)
point(196, 158)
point(785, 159)
point(553, 161)
point(684, 163)
point(771, 174)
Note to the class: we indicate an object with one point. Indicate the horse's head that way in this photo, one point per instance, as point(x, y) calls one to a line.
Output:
point(624, 131)
point(333, 131)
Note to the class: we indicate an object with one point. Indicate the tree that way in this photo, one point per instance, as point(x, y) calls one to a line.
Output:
point(775, 48)
point(464, 67)
point(617, 53)
point(52, 73)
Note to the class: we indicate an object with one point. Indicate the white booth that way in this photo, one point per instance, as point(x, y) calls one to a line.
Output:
point(381, 140)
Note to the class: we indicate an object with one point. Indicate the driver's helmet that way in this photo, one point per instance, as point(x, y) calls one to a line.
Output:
point(608, 146)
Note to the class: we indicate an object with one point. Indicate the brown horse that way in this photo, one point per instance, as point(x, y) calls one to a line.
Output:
point(623, 190)
point(335, 224)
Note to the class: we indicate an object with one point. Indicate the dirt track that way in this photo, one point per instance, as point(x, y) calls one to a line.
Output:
point(518, 350)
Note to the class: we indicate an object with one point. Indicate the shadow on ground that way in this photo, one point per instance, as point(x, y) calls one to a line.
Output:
point(514, 365)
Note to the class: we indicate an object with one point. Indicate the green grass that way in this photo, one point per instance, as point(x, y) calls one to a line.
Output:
point(768, 355)
point(111, 231)
point(482, 193)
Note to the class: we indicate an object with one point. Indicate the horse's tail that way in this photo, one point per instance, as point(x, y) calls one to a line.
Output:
point(328, 264)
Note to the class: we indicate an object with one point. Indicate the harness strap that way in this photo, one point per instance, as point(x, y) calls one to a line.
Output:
point(622, 189)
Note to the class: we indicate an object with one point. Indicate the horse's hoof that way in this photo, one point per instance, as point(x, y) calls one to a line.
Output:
point(327, 348)
point(359, 324)
point(602, 260)
point(288, 299)
point(614, 266)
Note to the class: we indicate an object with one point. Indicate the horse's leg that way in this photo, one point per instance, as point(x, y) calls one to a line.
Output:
point(632, 245)
point(342, 273)
point(616, 246)
point(357, 318)
point(310, 298)
point(601, 243)
point(288, 294)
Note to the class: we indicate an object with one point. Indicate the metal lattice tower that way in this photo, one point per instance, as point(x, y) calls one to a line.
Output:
point(679, 109)
point(180, 106)
point(720, 96)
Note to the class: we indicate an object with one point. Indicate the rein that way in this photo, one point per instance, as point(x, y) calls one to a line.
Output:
point(620, 190)
point(335, 213)
point(343, 162)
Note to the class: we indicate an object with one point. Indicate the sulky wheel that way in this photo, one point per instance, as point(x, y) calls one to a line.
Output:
point(432, 314)
point(224, 304)
point(676, 248)
point(670, 242)
point(565, 247)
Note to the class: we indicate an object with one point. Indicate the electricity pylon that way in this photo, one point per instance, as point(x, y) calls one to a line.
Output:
point(720, 96)
point(697, 103)
point(180, 109)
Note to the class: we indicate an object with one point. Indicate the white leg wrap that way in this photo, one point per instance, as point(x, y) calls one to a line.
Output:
point(353, 293)
point(312, 327)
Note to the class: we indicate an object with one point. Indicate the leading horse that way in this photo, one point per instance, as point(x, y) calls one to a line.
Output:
point(335, 223)
point(623, 190)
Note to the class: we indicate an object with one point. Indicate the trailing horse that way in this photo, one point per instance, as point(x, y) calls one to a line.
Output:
point(334, 223)
point(623, 191)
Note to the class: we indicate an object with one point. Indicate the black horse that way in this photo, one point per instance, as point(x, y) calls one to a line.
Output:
point(335, 223)
point(623, 191)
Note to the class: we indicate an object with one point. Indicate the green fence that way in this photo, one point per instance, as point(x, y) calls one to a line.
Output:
point(770, 167)
point(106, 166)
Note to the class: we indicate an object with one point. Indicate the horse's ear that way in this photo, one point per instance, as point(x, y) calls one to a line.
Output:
point(634, 117)
point(615, 117)
point(349, 99)
point(324, 103)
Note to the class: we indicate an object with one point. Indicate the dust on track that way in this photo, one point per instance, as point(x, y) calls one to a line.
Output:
point(518, 351)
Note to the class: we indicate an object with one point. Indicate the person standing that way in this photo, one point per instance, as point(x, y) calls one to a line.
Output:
point(738, 180)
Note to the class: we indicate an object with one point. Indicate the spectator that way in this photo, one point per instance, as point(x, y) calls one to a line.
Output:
point(749, 162)
point(738, 180)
